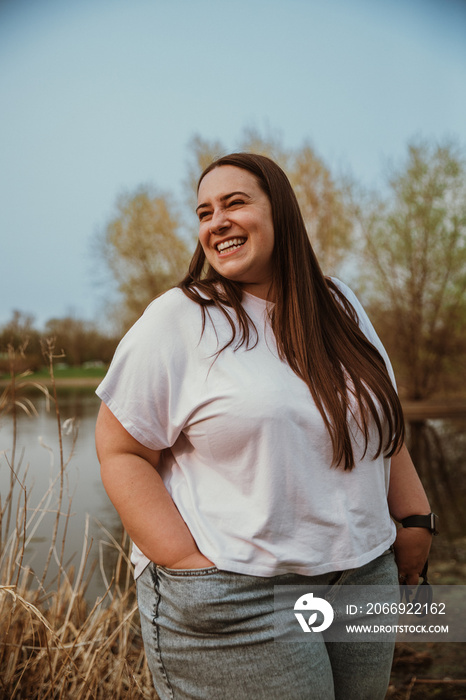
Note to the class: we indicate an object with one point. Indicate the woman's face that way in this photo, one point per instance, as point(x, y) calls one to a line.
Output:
point(236, 229)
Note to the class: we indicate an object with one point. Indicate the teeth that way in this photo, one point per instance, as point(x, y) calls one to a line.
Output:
point(232, 243)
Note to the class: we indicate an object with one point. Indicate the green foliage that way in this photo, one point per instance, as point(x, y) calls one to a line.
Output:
point(416, 276)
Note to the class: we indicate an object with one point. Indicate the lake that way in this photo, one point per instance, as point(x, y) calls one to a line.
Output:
point(438, 447)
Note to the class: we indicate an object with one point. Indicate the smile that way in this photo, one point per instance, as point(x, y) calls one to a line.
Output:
point(232, 244)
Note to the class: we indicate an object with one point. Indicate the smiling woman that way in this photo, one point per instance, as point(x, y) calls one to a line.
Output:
point(251, 436)
point(236, 228)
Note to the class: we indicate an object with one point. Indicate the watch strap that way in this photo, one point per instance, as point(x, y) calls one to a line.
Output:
point(427, 521)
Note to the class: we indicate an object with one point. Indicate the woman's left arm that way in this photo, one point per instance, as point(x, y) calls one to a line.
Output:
point(406, 496)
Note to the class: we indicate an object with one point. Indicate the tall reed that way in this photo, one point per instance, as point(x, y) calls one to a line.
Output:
point(53, 644)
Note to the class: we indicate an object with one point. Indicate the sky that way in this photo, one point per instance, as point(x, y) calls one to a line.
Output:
point(100, 96)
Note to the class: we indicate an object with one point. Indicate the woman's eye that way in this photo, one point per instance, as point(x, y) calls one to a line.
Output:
point(203, 214)
point(236, 201)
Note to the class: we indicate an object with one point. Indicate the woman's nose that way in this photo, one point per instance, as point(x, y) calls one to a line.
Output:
point(219, 221)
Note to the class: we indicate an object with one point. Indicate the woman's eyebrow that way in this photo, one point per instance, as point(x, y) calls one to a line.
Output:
point(223, 198)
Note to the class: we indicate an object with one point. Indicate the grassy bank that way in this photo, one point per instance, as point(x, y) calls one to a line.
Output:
point(64, 377)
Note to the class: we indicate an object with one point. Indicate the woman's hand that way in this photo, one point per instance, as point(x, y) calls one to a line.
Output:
point(192, 561)
point(411, 547)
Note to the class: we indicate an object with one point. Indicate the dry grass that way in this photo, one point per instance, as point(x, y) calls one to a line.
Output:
point(52, 645)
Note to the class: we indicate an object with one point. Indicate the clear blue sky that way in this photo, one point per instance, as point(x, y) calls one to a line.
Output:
point(98, 96)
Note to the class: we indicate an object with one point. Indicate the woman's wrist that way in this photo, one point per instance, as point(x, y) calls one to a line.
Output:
point(428, 521)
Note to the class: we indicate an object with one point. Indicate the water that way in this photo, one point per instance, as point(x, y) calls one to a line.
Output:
point(37, 464)
point(438, 448)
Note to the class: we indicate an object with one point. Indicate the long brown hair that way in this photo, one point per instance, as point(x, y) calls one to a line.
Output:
point(315, 326)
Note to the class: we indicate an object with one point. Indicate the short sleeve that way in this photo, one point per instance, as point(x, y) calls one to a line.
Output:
point(145, 385)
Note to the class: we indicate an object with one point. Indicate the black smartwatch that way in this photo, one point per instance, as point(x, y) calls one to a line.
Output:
point(427, 521)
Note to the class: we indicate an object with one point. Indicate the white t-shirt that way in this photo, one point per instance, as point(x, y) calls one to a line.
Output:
point(247, 458)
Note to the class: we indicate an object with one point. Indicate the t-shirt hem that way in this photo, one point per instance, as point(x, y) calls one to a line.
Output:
point(278, 570)
point(304, 570)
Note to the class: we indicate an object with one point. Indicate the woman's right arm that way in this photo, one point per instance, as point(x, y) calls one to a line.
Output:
point(146, 509)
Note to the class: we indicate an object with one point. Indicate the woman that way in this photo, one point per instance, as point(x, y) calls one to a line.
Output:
point(245, 437)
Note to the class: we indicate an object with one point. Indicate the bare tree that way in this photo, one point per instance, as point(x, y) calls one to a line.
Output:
point(324, 203)
point(143, 249)
point(80, 341)
point(415, 244)
point(324, 206)
point(201, 153)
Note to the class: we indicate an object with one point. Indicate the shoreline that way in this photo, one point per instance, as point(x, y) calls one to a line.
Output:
point(423, 409)
point(60, 382)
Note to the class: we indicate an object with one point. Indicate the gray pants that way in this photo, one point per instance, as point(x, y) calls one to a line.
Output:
point(209, 635)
